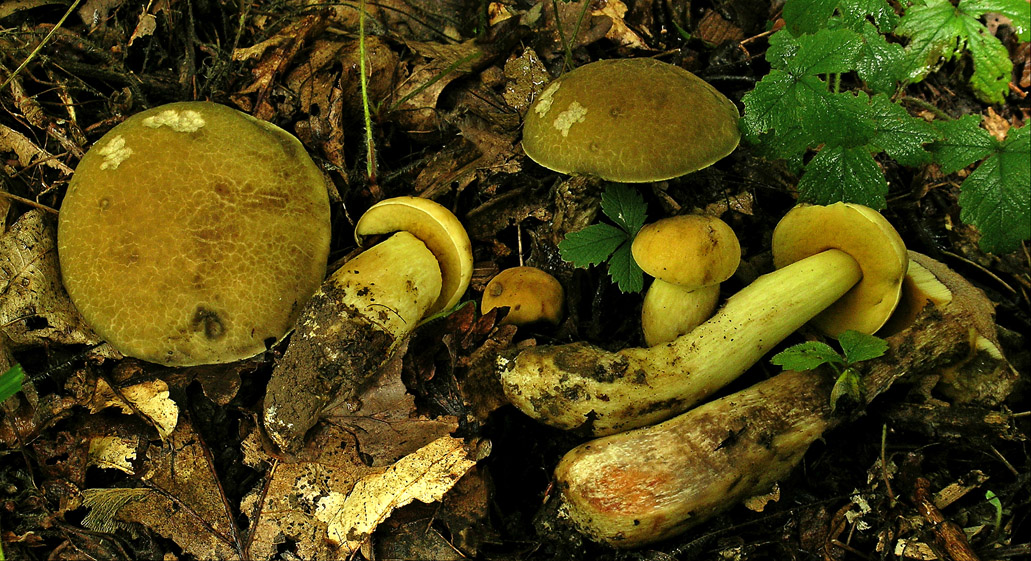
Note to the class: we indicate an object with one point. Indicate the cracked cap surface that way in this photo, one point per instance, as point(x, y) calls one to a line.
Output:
point(630, 120)
point(192, 233)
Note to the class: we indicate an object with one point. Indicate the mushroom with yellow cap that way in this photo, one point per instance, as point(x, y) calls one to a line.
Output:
point(192, 233)
point(689, 256)
point(530, 294)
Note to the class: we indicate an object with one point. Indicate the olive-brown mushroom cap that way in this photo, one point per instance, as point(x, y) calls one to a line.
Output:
point(193, 233)
point(689, 250)
point(630, 120)
point(865, 235)
point(530, 294)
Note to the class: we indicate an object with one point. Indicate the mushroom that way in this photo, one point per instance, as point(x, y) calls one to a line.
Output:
point(357, 321)
point(689, 256)
point(579, 385)
point(631, 121)
point(192, 233)
point(530, 294)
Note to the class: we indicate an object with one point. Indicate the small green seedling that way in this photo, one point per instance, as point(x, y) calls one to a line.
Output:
point(10, 382)
point(604, 243)
point(855, 346)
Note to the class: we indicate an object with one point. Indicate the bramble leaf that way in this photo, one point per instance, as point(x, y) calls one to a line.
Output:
point(625, 206)
point(591, 246)
point(807, 356)
point(858, 346)
point(880, 63)
point(843, 174)
point(624, 271)
point(996, 197)
point(964, 142)
point(900, 134)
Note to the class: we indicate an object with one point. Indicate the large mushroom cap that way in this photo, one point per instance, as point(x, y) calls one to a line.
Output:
point(530, 294)
point(193, 233)
point(630, 120)
point(691, 251)
point(865, 235)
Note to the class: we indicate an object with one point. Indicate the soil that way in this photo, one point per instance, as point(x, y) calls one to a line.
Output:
point(915, 475)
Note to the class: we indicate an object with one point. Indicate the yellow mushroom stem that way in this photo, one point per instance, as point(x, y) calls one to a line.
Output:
point(670, 310)
point(351, 327)
point(581, 385)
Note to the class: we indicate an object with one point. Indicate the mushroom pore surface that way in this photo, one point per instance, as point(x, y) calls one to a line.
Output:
point(630, 120)
point(192, 233)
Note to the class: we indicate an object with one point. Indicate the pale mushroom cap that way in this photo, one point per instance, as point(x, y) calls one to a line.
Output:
point(531, 295)
point(630, 120)
point(192, 233)
point(691, 251)
point(865, 235)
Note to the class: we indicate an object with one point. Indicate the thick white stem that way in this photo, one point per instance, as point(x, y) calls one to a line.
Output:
point(580, 385)
point(670, 310)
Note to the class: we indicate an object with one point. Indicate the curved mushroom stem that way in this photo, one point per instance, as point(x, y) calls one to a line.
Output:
point(349, 330)
point(670, 310)
point(580, 385)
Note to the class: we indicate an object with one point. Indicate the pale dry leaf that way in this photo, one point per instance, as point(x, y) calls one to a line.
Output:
point(113, 452)
point(150, 398)
point(284, 506)
point(526, 78)
point(425, 475)
point(27, 151)
point(35, 309)
point(144, 28)
point(620, 32)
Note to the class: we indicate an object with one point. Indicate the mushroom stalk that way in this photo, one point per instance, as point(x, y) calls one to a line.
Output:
point(350, 329)
point(580, 385)
point(670, 311)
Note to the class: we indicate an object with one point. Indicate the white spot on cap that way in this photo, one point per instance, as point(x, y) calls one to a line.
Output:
point(544, 102)
point(114, 153)
point(179, 121)
point(573, 114)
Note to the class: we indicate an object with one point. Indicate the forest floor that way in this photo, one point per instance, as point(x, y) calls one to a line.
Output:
point(83, 475)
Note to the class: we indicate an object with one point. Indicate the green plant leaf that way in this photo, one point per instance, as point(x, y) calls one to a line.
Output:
point(807, 356)
point(11, 381)
point(858, 346)
point(996, 197)
point(625, 206)
point(856, 14)
point(880, 63)
point(624, 271)
point(939, 31)
point(843, 174)
point(1016, 10)
point(901, 135)
point(963, 143)
point(848, 386)
point(807, 16)
point(591, 246)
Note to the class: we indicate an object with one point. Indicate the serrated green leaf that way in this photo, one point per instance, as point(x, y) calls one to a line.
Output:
point(841, 119)
point(11, 381)
point(1016, 10)
point(939, 31)
point(806, 356)
point(592, 245)
point(880, 63)
point(996, 197)
point(824, 52)
point(857, 12)
point(807, 16)
point(901, 135)
point(858, 346)
point(624, 271)
point(963, 143)
point(625, 206)
point(843, 174)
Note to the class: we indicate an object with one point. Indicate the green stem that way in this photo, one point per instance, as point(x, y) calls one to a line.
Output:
point(39, 47)
point(370, 160)
point(926, 106)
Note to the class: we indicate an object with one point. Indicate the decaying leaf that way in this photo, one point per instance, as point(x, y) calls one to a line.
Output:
point(114, 452)
point(526, 77)
point(27, 151)
point(35, 309)
point(425, 475)
point(149, 398)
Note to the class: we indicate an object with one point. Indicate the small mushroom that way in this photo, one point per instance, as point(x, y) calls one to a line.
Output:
point(356, 322)
point(631, 121)
point(579, 385)
point(530, 294)
point(689, 256)
point(192, 233)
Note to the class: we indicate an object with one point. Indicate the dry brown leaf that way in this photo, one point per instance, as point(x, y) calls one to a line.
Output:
point(149, 398)
point(620, 32)
point(113, 452)
point(425, 475)
point(526, 77)
point(27, 151)
point(416, 104)
point(35, 309)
